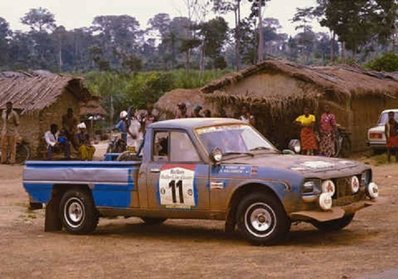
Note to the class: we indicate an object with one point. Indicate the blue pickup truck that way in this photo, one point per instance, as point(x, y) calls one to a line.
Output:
point(204, 168)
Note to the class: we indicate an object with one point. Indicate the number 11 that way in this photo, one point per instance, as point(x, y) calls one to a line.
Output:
point(173, 187)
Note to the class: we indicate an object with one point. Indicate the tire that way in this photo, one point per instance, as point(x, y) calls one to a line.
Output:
point(77, 212)
point(153, 221)
point(22, 154)
point(334, 225)
point(262, 220)
point(345, 147)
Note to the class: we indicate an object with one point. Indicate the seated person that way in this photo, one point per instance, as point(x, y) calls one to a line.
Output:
point(86, 150)
point(56, 142)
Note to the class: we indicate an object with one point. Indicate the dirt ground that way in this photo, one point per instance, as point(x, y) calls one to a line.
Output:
point(126, 248)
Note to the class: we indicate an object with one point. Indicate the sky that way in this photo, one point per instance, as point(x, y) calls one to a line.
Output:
point(80, 13)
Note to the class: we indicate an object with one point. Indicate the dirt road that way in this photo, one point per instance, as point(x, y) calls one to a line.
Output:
point(126, 248)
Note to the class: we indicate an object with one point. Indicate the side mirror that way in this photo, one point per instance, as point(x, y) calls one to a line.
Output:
point(295, 146)
point(216, 156)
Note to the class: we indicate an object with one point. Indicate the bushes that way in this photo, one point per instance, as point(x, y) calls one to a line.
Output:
point(139, 89)
point(388, 62)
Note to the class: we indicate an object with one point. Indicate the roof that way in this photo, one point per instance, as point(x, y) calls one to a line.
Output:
point(340, 79)
point(192, 123)
point(37, 90)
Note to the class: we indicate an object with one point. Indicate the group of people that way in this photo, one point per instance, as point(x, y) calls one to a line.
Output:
point(132, 124)
point(71, 135)
point(182, 112)
point(309, 138)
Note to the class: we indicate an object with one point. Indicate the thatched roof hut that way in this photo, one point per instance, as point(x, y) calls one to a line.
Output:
point(276, 91)
point(42, 98)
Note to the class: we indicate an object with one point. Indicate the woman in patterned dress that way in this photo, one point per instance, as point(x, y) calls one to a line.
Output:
point(327, 128)
point(307, 135)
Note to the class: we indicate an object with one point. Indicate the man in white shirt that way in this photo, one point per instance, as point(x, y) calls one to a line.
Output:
point(56, 142)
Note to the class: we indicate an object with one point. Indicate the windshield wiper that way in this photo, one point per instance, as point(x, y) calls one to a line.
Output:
point(260, 148)
point(238, 153)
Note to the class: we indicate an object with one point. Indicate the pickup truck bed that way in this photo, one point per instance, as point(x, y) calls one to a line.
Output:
point(111, 183)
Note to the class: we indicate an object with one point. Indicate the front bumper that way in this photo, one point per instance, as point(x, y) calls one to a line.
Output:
point(334, 213)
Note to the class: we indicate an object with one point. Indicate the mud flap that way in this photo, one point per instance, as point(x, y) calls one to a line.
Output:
point(52, 221)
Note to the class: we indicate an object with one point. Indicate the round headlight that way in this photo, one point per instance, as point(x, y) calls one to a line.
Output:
point(328, 187)
point(354, 184)
point(372, 190)
point(325, 201)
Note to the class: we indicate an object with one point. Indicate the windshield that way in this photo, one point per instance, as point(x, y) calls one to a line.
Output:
point(233, 139)
point(384, 117)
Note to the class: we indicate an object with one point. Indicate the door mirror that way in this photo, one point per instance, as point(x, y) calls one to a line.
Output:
point(216, 156)
point(295, 146)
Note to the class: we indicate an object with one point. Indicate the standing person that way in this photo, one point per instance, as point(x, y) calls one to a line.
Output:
point(391, 130)
point(56, 142)
point(122, 125)
point(307, 135)
point(9, 134)
point(247, 116)
point(327, 129)
point(196, 111)
point(181, 111)
point(69, 125)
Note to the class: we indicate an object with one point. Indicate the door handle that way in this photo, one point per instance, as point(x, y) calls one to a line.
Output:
point(155, 170)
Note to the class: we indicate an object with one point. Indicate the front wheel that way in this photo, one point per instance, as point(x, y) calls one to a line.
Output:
point(334, 225)
point(77, 212)
point(262, 219)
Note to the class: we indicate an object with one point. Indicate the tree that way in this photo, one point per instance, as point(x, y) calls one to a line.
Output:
point(39, 20)
point(5, 34)
point(117, 36)
point(214, 34)
point(355, 22)
point(223, 7)
point(256, 11)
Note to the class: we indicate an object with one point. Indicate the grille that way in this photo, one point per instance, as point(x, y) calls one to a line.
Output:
point(343, 193)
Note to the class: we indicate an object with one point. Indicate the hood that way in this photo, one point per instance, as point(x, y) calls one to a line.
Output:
point(378, 129)
point(305, 165)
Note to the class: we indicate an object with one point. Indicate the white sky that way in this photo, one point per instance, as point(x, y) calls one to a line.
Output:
point(80, 13)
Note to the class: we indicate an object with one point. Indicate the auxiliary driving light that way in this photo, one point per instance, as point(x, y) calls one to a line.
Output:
point(372, 190)
point(328, 187)
point(354, 184)
point(325, 201)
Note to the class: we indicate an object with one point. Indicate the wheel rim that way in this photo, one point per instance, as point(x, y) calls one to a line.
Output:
point(260, 219)
point(74, 213)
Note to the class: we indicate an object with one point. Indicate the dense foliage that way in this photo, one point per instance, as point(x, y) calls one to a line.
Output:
point(388, 62)
point(120, 91)
point(361, 29)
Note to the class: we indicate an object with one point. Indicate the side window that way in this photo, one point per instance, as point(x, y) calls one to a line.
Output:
point(182, 149)
point(161, 146)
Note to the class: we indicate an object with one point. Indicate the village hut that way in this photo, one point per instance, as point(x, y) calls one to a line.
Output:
point(41, 98)
point(276, 92)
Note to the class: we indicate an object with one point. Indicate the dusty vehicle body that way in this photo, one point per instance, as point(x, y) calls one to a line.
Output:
point(187, 171)
point(376, 135)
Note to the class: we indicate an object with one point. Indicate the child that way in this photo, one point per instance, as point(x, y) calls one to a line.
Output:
point(86, 150)
point(391, 130)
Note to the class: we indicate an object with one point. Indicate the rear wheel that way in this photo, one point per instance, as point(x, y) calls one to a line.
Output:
point(262, 219)
point(334, 225)
point(77, 212)
point(153, 221)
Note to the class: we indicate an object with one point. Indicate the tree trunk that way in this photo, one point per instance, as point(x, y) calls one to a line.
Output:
point(237, 35)
point(260, 49)
point(332, 46)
